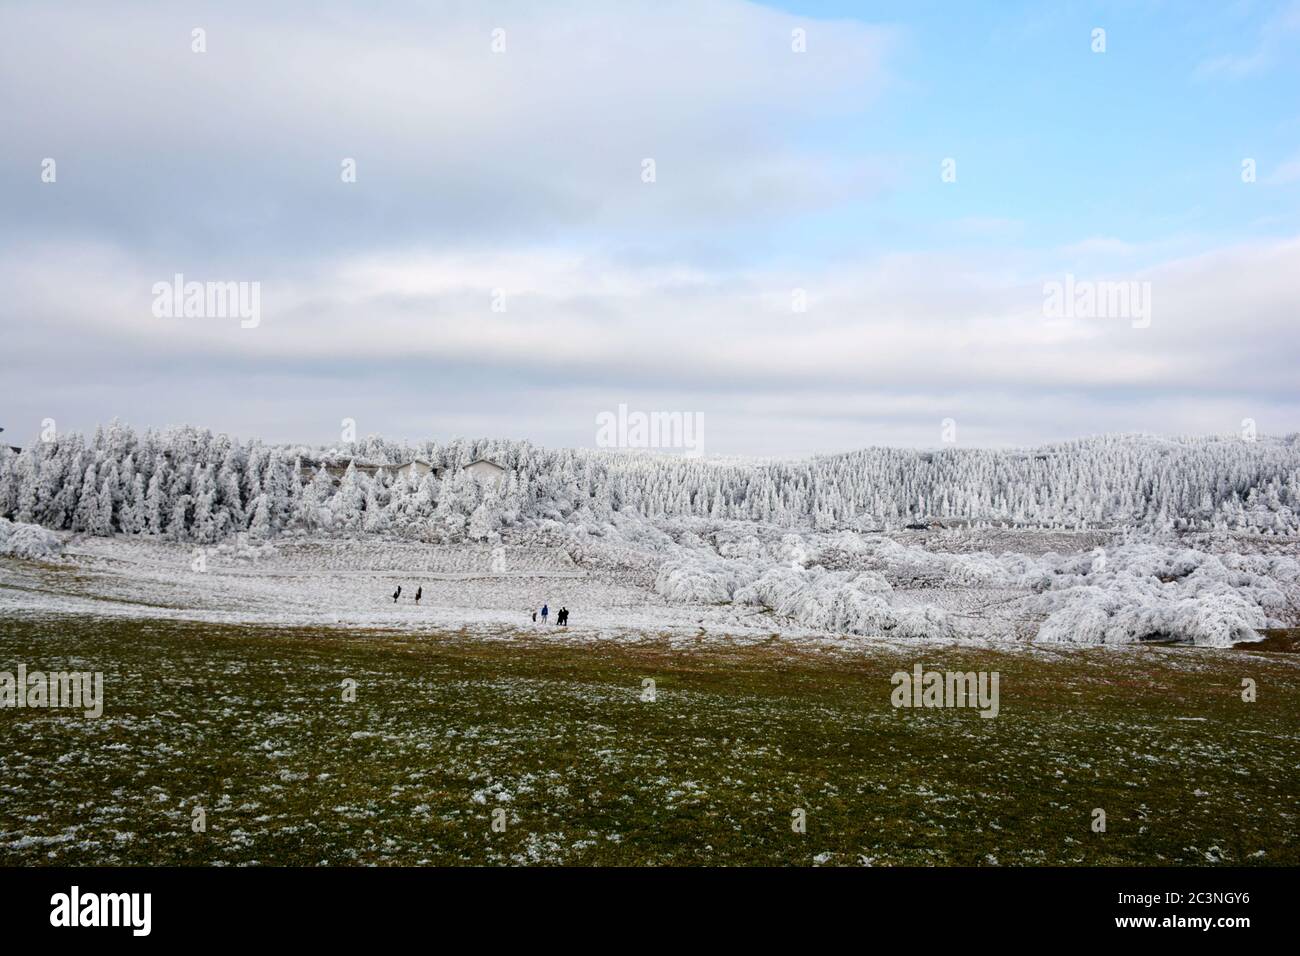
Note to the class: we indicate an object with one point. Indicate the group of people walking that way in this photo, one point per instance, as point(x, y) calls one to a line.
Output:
point(419, 593)
point(561, 616)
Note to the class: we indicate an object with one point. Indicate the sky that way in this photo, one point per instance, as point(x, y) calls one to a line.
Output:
point(812, 226)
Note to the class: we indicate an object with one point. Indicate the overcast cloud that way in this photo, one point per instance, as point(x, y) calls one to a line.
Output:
point(515, 179)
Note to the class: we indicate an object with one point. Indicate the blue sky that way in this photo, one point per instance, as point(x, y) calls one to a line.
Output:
point(518, 172)
point(1054, 141)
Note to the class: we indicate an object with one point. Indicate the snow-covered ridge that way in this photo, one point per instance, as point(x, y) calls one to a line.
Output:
point(190, 484)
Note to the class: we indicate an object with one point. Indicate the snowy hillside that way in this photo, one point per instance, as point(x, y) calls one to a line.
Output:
point(1109, 540)
point(193, 485)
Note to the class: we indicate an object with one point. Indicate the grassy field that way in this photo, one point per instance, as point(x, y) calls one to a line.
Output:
point(251, 725)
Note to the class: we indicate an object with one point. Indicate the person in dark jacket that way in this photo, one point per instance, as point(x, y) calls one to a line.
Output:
point(419, 591)
point(564, 617)
point(397, 593)
point(534, 615)
point(545, 611)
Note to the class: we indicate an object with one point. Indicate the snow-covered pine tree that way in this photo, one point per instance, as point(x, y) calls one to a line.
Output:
point(86, 515)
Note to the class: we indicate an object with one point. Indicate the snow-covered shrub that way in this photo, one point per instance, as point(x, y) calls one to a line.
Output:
point(977, 570)
point(905, 564)
point(836, 602)
point(697, 579)
point(843, 551)
point(1098, 616)
point(794, 551)
point(1130, 593)
point(1145, 591)
point(20, 540)
point(748, 547)
point(839, 602)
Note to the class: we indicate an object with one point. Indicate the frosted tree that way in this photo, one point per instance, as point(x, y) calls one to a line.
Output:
point(156, 505)
point(398, 503)
point(376, 518)
point(132, 517)
point(179, 522)
point(27, 479)
point(313, 512)
point(458, 497)
point(229, 496)
point(252, 476)
point(206, 524)
point(109, 494)
point(277, 485)
point(62, 467)
point(86, 515)
point(486, 517)
point(260, 528)
point(8, 482)
point(349, 501)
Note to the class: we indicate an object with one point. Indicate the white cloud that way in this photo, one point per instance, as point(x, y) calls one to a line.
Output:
point(891, 341)
point(1101, 245)
point(453, 143)
point(1276, 42)
point(1286, 172)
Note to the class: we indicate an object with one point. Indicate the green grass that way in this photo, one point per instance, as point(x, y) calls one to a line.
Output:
point(250, 724)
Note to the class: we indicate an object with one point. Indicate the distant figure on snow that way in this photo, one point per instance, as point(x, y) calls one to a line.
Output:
point(418, 591)
point(397, 593)
point(545, 611)
point(563, 618)
point(534, 615)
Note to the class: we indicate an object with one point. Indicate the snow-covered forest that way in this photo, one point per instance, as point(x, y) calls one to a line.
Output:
point(189, 484)
point(1116, 539)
